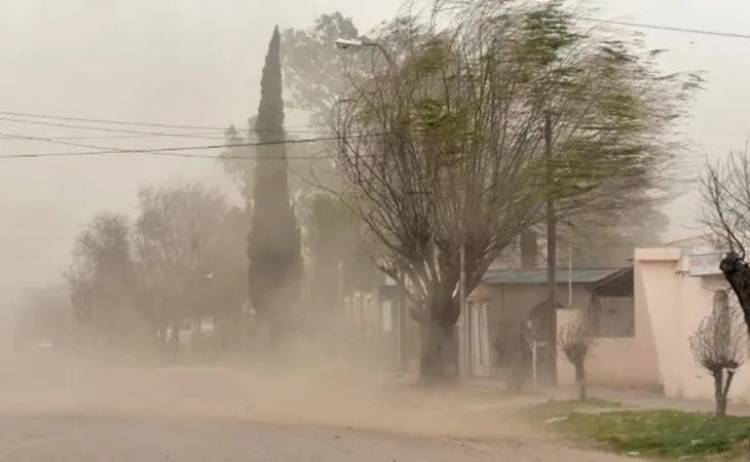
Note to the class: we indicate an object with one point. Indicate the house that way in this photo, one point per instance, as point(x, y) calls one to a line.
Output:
point(675, 289)
point(508, 302)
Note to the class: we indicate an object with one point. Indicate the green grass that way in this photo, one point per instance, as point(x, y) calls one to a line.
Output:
point(558, 409)
point(662, 434)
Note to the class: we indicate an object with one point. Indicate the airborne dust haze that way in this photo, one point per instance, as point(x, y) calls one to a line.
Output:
point(91, 75)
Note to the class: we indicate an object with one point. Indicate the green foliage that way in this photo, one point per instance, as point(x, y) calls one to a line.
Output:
point(189, 244)
point(664, 434)
point(274, 246)
point(241, 170)
point(270, 121)
point(316, 73)
point(561, 409)
point(330, 227)
point(102, 266)
point(546, 34)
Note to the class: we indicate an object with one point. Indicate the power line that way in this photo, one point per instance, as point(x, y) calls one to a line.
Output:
point(123, 136)
point(666, 28)
point(174, 151)
point(131, 123)
point(115, 130)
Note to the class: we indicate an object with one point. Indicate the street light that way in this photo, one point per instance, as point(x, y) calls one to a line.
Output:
point(345, 44)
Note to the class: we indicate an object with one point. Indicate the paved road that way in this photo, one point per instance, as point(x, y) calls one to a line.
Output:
point(90, 438)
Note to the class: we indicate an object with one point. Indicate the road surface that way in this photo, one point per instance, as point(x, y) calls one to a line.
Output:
point(59, 411)
point(94, 438)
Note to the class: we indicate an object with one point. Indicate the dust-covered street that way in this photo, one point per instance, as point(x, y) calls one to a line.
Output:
point(59, 409)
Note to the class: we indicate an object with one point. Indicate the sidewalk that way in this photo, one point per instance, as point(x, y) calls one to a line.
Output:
point(655, 401)
point(628, 398)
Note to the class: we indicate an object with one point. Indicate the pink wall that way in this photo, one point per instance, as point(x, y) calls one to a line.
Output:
point(670, 304)
point(615, 362)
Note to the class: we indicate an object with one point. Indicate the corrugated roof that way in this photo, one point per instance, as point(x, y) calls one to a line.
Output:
point(539, 276)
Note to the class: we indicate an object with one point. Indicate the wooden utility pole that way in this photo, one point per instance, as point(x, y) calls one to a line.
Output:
point(551, 322)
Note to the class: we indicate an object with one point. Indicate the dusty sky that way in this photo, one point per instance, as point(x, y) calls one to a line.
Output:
point(198, 62)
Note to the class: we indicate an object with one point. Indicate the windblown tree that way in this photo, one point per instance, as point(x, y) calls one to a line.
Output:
point(331, 237)
point(719, 345)
point(609, 121)
point(274, 246)
point(238, 164)
point(316, 73)
point(437, 159)
point(726, 195)
point(101, 273)
point(608, 238)
point(475, 127)
point(188, 245)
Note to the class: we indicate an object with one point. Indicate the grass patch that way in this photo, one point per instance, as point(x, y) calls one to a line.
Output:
point(561, 409)
point(663, 434)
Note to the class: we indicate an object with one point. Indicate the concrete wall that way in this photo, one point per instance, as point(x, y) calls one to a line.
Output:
point(677, 302)
point(634, 362)
point(669, 305)
point(625, 362)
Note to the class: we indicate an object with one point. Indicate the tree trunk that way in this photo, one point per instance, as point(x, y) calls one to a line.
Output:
point(438, 361)
point(581, 381)
point(720, 396)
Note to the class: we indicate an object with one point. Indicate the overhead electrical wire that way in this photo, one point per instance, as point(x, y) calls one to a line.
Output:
point(124, 130)
point(203, 135)
point(173, 151)
point(664, 28)
point(127, 123)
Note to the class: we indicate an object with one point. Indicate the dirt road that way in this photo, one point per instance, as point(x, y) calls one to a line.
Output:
point(95, 438)
point(53, 410)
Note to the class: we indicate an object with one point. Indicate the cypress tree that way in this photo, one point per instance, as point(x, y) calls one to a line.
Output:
point(274, 240)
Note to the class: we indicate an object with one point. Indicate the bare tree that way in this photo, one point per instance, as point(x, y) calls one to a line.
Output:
point(726, 196)
point(575, 340)
point(720, 345)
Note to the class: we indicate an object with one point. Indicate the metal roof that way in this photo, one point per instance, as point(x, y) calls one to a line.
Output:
point(539, 276)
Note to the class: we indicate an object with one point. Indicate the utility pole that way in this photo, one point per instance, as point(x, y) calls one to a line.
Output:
point(570, 266)
point(551, 324)
point(464, 339)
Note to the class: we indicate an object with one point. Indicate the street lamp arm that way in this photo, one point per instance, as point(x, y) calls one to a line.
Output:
point(345, 44)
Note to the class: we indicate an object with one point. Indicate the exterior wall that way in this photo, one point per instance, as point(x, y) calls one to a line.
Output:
point(676, 314)
point(626, 362)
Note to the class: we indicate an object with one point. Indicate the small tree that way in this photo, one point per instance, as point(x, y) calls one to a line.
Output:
point(101, 272)
point(575, 340)
point(719, 345)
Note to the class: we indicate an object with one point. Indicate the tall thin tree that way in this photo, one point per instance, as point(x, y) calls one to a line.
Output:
point(274, 240)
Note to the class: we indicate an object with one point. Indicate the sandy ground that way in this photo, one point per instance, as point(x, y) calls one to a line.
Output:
point(58, 409)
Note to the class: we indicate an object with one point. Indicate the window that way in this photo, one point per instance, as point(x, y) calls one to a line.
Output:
point(613, 316)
